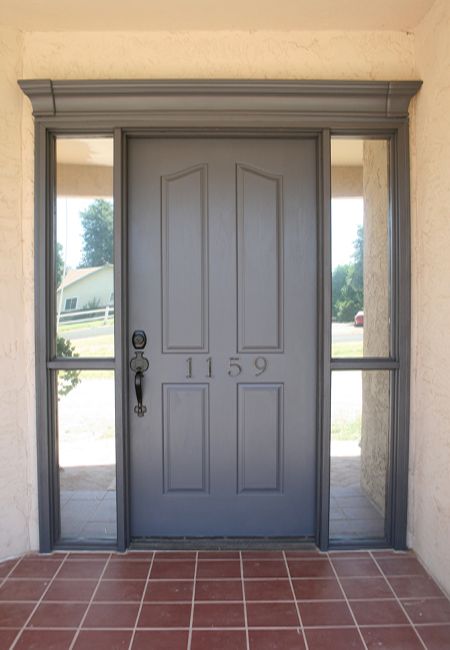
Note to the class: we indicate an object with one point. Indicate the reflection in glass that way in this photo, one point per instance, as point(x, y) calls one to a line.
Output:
point(360, 426)
point(84, 247)
point(86, 449)
point(360, 247)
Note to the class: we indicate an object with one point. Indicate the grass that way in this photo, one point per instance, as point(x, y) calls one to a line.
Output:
point(352, 349)
point(344, 429)
point(86, 324)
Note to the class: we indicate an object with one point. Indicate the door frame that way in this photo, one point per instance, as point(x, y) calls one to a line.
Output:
point(221, 108)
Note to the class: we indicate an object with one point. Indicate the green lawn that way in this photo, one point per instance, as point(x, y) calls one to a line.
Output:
point(352, 349)
point(344, 429)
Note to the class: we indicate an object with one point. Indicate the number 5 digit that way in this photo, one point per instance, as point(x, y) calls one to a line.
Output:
point(234, 368)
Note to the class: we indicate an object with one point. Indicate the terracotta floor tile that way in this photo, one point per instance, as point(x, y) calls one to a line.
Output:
point(127, 570)
point(71, 590)
point(123, 591)
point(219, 555)
point(317, 589)
point(45, 640)
point(155, 615)
point(134, 555)
point(181, 569)
point(325, 614)
point(378, 612)
point(276, 640)
point(366, 588)
point(389, 552)
point(88, 555)
point(434, 610)
point(23, 589)
point(6, 638)
point(436, 637)
point(264, 569)
point(169, 590)
point(305, 555)
point(103, 640)
point(391, 638)
point(58, 615)
point(219, 615)
point(5, 567)
point(218, 590)
point(175, 555)
point(272, 615)
point(89, 569)
point(316, 569)
point(218, 640)
point(339, 555)
point(335, 639)
point(218, 569)
point(262, 555)
point(355, 568)
point(160, 640)
point(111, 616)
point(268, 590)
point(14, 614)
point(36, 568)
point(404, 566)
point(415, 587)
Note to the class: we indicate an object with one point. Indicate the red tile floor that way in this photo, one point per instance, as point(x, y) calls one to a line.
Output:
point(232, 600)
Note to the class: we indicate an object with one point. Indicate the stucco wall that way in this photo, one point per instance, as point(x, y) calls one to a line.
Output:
point(17, 446)
point(352, 55)
point(429, 511)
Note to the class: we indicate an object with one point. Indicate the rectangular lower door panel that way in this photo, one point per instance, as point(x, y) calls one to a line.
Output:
point(260, 437)
point(186, 438)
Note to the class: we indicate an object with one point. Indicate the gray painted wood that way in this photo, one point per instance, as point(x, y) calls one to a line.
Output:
point(233, 454)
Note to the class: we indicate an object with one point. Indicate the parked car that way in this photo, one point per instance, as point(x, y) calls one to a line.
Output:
point(359, 319)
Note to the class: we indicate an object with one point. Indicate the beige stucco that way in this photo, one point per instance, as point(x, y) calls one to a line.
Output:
point(429, 504)
point(344, 55)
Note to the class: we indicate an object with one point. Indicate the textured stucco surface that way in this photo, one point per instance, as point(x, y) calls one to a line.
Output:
point(344, 55)
point(17, 448)
point(429, 505)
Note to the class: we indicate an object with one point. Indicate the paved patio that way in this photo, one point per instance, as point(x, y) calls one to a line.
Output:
point(253, 600)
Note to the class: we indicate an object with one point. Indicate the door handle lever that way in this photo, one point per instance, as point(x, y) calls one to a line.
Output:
point(139, 364)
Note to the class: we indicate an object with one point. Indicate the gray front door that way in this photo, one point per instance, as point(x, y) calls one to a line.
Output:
point(222, 270)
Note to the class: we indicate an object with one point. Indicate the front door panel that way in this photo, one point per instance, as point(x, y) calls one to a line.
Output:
point(222, 278)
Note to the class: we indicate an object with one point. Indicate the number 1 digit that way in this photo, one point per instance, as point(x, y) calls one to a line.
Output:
point(189, 368)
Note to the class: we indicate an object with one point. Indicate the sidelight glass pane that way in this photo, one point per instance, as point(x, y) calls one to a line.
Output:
point(360, 221)
point(86, 454)
point(360, 432)
point(84, 247)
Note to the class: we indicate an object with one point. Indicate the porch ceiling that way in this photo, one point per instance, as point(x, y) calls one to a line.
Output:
point(149, 15)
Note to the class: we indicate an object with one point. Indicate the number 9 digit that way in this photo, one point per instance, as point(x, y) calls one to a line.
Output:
point(260, 365)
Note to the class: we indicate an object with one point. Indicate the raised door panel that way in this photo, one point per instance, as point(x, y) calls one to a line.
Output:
point(260, 438)
point(260, 260)
point(186, 437)
point(184, 206)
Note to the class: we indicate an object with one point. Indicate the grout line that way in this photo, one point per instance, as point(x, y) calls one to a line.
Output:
point(83, 618)
point(348, 605)
point(5, 578)
point(141, 605)
point(302, 627)
point(194, 586)
point(399, 601)
point(247, 636)
point(39, 601)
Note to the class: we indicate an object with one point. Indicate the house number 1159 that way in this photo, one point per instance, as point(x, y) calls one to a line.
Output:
point(234, 368)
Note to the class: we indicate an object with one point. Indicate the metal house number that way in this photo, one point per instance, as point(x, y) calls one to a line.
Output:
point(234, 367)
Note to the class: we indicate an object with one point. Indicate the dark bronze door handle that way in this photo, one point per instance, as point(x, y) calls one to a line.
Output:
point(139, 364)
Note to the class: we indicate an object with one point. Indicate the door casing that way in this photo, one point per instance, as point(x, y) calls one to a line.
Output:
point(223, 109)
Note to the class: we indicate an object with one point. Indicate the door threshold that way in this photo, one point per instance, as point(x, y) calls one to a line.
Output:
point(223, 543)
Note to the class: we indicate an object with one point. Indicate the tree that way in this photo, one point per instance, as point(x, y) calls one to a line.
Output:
point(68, 379)
point(348, 283)
point(97, 224)
point(59, 264)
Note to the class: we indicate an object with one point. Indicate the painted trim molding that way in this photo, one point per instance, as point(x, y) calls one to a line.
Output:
point(372, 99)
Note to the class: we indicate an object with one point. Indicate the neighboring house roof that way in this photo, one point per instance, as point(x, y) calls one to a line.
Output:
point(74, 275)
